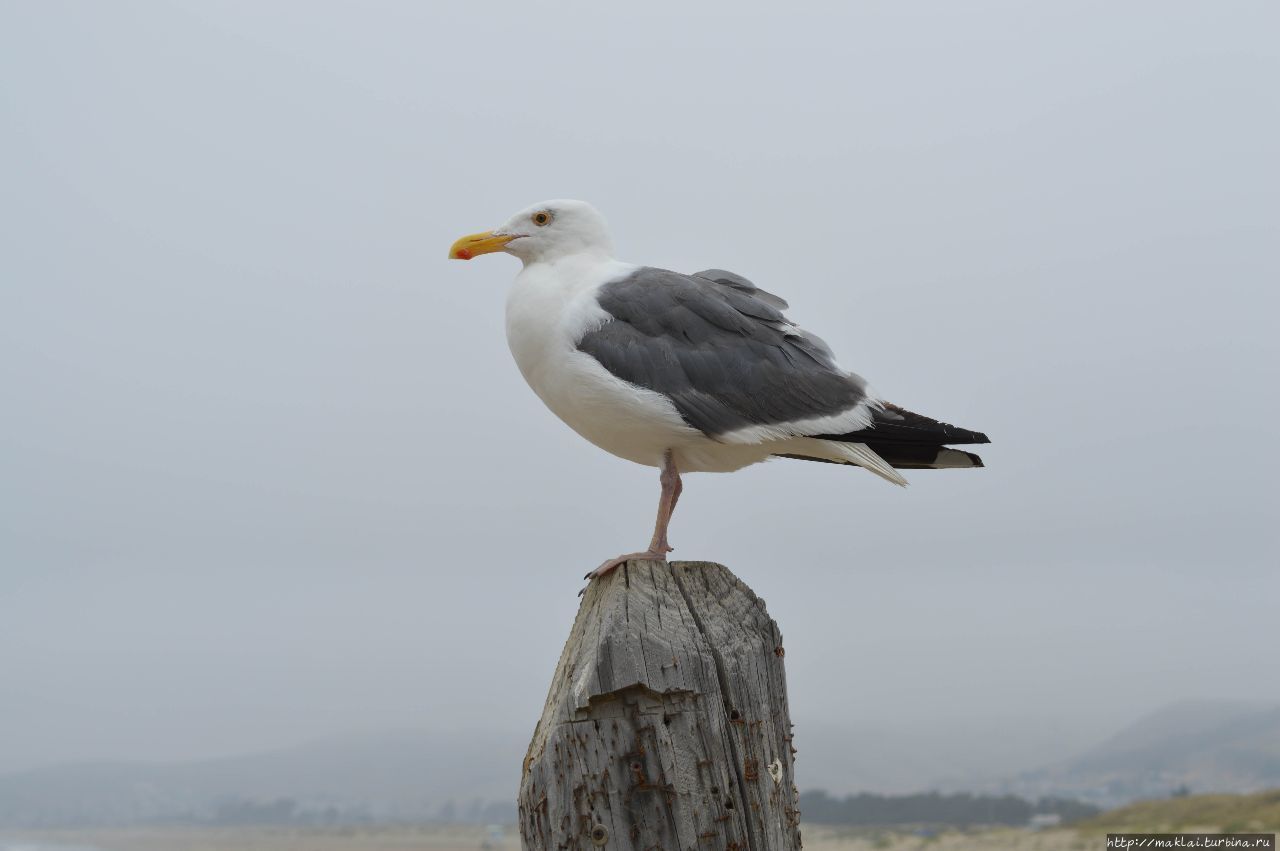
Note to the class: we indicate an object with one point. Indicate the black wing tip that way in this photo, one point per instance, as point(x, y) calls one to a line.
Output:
point(898, 423)
point(956, 434)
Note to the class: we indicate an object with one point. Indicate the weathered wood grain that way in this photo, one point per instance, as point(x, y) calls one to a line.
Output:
point(666, 724)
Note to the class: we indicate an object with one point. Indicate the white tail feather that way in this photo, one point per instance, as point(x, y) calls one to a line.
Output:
point(861, 454)
point(846, 453)
point(952, 459)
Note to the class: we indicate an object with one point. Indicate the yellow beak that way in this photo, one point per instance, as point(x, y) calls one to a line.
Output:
point(473, 245)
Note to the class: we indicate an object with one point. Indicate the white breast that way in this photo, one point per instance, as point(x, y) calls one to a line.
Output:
point(549, 308)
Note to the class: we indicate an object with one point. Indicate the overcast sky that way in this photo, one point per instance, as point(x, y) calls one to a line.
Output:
point(268, 472)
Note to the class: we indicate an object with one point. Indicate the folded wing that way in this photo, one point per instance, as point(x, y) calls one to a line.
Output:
point(725, 355)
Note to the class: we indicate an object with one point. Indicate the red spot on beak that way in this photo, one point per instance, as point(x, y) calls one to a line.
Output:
point(464, 254)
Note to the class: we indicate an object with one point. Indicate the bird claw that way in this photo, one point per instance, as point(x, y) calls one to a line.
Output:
point(613, 563)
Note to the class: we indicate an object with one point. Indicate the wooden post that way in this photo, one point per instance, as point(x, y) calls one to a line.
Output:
point(666, 724)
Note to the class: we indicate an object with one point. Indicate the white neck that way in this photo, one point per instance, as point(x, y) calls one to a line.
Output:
point(571, 257)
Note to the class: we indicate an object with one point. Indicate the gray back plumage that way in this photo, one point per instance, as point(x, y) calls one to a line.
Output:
point(719, 348)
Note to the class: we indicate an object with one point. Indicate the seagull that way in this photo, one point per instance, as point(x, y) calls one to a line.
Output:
point(688, 373)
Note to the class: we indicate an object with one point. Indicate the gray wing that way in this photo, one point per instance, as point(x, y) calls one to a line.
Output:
point(720, 349)
point(742, 285)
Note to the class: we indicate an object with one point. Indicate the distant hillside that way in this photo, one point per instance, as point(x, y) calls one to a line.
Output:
point(1259, 812)
point(957, 755)
point(1199, 746)
point(934, 809)
point(419, 775)
point(412, 775)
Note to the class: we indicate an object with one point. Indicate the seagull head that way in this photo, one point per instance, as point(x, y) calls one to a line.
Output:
point(544, 232)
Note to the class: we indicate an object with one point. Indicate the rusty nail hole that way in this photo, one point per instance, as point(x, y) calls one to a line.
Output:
point(728, 803)
point(599, 834)
point(734, 715)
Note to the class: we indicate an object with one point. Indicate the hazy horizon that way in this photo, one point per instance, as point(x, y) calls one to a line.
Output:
point(270, 475)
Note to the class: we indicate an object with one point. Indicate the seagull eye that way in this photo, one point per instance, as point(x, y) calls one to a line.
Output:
point(542, 218)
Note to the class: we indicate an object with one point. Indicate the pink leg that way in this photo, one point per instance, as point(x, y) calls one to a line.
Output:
point(671, 488)
point(658, 546)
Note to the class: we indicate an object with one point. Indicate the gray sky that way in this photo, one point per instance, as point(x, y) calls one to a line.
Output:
point(268, 471)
